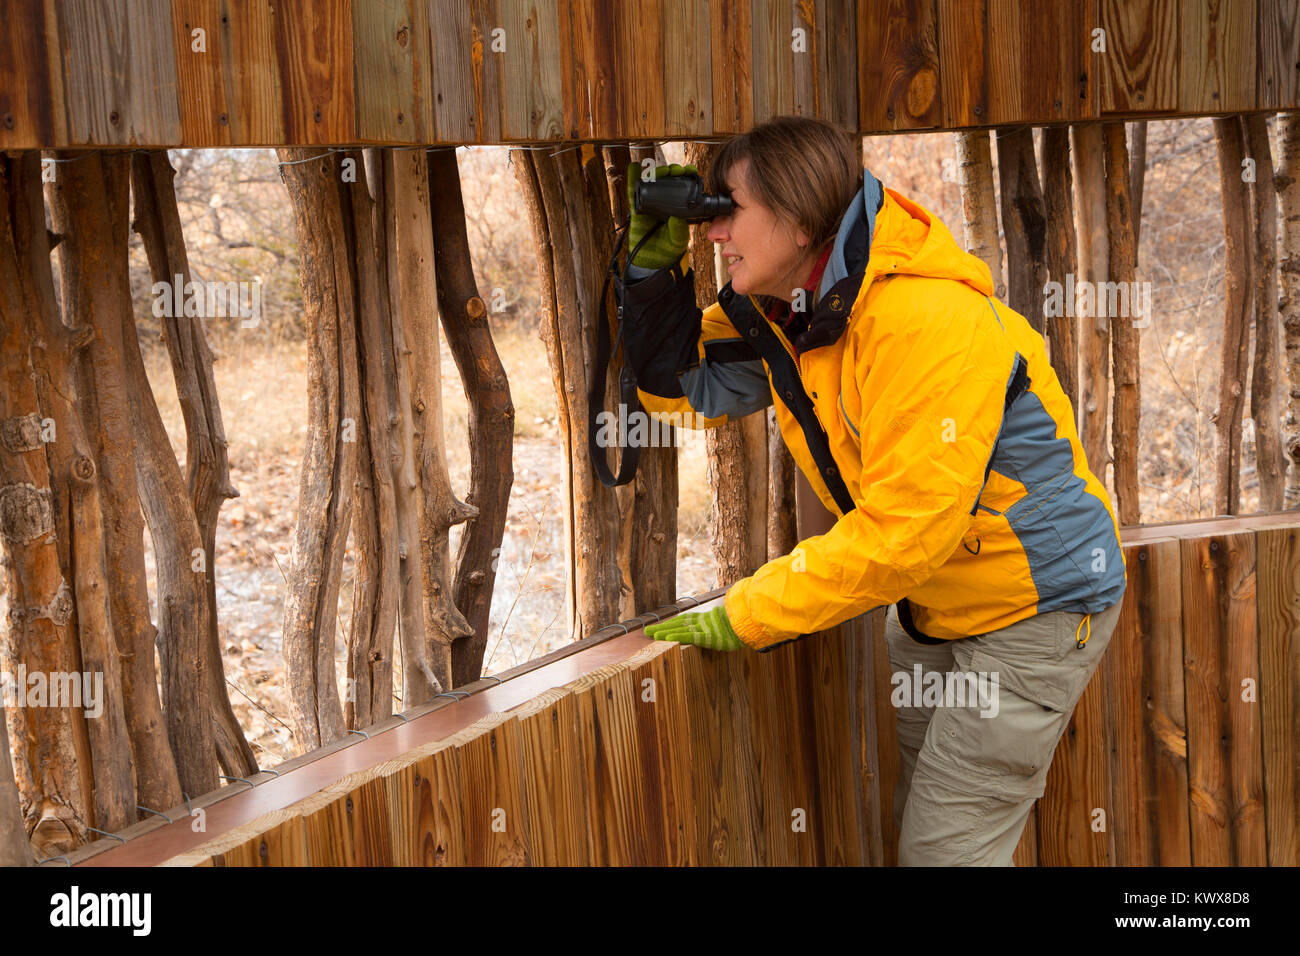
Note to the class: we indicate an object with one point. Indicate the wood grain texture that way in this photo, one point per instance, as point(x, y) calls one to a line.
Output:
point(589, 69)
point(639, 39)
point(898, 83)
point(558, 806)
point(665, 716)
point(495, 812)
point(688, 80)
point(731, 44)
point(1223, 744)
point(1078, 781)
point(314, 46)
point(1039, 63)
point(231, 92)
point(963, 57)
point(393, 66)
point(1216, 56)
point(1277, 78)
point(887, 762)
point(120, 86)
point(532, 105)
point(838, 31)
point(1139, 70)
point(772, 26)
point(1278, 553)
point(31, 77)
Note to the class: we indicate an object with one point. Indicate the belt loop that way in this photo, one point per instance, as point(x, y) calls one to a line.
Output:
point(1087, 619)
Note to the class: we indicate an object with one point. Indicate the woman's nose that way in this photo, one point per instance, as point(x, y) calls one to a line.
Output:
point(717, 231)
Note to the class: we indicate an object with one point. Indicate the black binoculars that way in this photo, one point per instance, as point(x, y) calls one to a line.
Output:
point(681, 196)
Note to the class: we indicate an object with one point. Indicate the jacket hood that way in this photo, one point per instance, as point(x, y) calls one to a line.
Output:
point(905, 239)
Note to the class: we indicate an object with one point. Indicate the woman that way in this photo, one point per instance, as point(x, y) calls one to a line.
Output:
point(926, 416)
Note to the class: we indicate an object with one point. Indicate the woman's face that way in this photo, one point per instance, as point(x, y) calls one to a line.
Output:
point(762, 254)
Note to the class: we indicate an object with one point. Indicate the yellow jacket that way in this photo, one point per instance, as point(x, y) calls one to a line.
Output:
point(925, 415)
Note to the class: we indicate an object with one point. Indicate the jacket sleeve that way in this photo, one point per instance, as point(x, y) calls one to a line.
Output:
point(933, 397)
point(692, 367)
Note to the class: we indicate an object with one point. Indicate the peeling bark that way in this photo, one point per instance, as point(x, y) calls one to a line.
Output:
point(207, 468)
point(325, 494)
point(491, 411)
point(1062, 261)
point(1122, 267)
point(979, 205)
point(1265, 385)
point(1229, 139)
point(1287, 184)
point(51, 779)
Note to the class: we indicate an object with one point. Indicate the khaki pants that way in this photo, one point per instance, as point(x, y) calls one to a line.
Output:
point(967, 782)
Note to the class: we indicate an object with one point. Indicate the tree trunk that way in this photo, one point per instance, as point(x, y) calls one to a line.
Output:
point(89, 207)
point(1288, 188)
point(978, 204)
point(1122, 266)
point(1094, 330)
point(738, 451)
point(1270, 460)
point(648, 505)
point(1062, 261)
point(415, 298)
point(15, 849)
point(1024, 223)
point(207, 467)
point(374, 616)
point(50, 773)
point(555, 196)
point(491, 411)
point(782, 533)
point(1230, 141)
point(1137, 177)
point(325, 495)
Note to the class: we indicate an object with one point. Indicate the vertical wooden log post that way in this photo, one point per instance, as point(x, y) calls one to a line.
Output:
point(1024, 223)
point(207, 466)
point(1266, 381)
point(374, 511)
point(1230, 141)
point(555, 195)
point(648, 505)
point(49, 772)
point(1287, 183)
point(88, 207)
point(15, 849)
point(1062, 260)
point(979, 205)
point(1094, 330)
point(157, 784)
point(491, 411)
point(314, 183)
point(738, 451)
point(413, 265)
point(1122, 267)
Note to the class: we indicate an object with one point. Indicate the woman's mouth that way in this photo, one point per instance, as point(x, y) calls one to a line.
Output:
point(732, 260)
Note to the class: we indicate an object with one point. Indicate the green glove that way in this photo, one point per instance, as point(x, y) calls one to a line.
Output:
point(708, 629)
point(666, 246)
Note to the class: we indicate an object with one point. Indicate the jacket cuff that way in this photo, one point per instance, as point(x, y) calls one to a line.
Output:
point(752, 634)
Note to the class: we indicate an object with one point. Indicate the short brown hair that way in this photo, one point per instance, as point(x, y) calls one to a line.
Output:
point(805, 170)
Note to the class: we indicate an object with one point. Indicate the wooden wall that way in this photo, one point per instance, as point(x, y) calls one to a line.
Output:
point(310, 72)
point(1185, 749)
